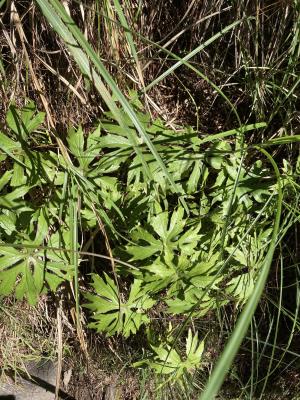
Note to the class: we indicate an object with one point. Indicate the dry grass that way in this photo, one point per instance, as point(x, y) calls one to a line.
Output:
point(26, 334)
point(255, 68)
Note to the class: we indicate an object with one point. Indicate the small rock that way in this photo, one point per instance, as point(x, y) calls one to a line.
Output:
point(40, 387)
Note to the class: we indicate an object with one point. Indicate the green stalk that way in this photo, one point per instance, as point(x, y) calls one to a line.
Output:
point(73, 218)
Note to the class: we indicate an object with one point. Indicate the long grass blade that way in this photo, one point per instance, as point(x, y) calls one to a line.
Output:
point(192, 54)
point(242, 129)
point(91, 66)
point(129, 38)
point(231, 349)
point(73, 217)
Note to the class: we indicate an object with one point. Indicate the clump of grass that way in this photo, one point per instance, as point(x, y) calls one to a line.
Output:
point(233, 72)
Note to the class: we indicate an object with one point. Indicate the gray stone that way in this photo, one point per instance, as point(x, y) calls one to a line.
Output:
point(41, 386)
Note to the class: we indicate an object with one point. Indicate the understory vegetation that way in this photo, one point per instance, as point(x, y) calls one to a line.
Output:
point(149, 181)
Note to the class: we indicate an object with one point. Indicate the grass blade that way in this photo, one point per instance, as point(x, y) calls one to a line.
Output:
point(192, 54)
point(91, 66)
point(231, 349)
point(130, 40)
point(241, 129)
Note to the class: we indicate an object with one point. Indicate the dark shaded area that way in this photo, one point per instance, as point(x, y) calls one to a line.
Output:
point(8, 397)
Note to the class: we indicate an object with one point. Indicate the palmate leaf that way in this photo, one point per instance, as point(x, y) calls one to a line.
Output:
point(248, 255)
point(8, 222)
point(112, 315)
point(241, 287)
point(28, 166)
point(178, 273)
point(14, 199)
point(23, 122)
point(142, 252)
point(163, 272)
point(170, 233)
point(185, 171)
point(194, 351)
point(168, 361)
point(32, 268)
point(167, 143)
point(29, 272)
point(254, 184)
point(75, 141)
point(187, 300)
point(84, 148)
point(12, 148)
